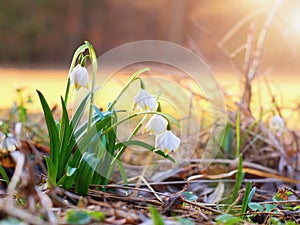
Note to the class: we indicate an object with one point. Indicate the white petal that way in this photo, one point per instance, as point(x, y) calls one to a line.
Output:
point(79, 77)
point(157, 125)
point(10, 143)
point(167, 142)
point(276, 124)
point(144, 101)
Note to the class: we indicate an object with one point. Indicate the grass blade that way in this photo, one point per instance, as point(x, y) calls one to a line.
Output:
point(246, 198)
point(156, 217)
point(238, 180)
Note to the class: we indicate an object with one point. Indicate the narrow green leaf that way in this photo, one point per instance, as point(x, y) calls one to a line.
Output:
point(111, 136)
point(141, 144)
point(51, 171)
point(228, 138)
point(246, 198)
point(66, 131)
point(122, 172)
point(238, 133)
point(68, 181)
point(83, 143)
point(70, 171)
point(80, 131)
point(156, 217)
point(238, 180)
point(79, 112)
point(252, 192)
point(4, 174)
point(86, 169)
point(53, 133)
point(100, 114)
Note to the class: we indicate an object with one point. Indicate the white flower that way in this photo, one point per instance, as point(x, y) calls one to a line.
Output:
point(156, 125)
point(79, 77)
point(167, 142)
point(8, 143)
point(276, 125)
point(144, 101)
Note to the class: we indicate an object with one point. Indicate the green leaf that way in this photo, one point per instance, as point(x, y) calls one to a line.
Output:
point(255, 207)
point(246, 199)
point(52, 130)
point(70, 171)
point(190, 196)
point(227, 142)
point(66, 131)
point(100, 114)
point(156, 217)
point(143, 145)
point(238, 133)
point(252, 192)
point(68, 181)
point(270, 207)
point(238, 180)
point(227, 219)
point(4, 174)
point(122, 172)
point(79, 112)
point(78, 217)
point(83, 143)
point(52, 170)
point(86, 169)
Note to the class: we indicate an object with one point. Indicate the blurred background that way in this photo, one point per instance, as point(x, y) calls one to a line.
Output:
point(38, 37)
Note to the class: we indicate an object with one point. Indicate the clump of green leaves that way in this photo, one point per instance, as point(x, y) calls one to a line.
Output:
point(80, 149)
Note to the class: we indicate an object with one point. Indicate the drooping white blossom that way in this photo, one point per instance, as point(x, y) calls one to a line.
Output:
point(8, 143)
point(276, 125)
point(144, 101)
point(167, 142)
point(156, 125)
point(79, 77)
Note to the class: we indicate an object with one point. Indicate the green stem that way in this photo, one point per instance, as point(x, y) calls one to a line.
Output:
point(94, 70)
point(238, 133)
point(132, 79)
point(133, 133)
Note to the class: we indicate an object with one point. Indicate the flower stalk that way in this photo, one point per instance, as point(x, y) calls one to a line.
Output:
point(93, 60)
